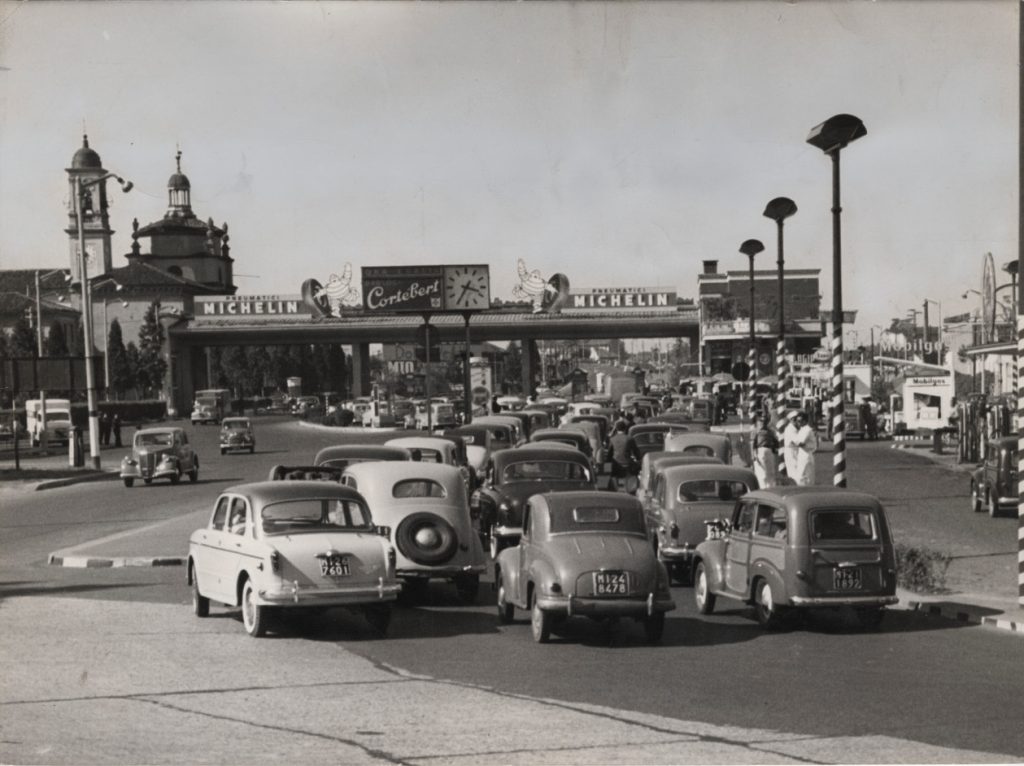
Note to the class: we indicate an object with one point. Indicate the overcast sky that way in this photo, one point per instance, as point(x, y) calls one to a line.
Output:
point(619, 143)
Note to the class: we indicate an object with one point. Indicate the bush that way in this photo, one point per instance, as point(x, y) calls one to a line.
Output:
point(921, 569)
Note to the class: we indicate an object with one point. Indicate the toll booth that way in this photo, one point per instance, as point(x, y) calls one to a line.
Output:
point(927, 401)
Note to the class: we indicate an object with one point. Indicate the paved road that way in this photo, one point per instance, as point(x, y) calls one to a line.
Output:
point(110, 663)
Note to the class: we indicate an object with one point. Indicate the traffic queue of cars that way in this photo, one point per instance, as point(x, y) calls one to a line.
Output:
point(363, 523)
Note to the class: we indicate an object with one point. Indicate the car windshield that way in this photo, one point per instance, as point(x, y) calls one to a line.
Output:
point(597, 519)
point(240, 425)
point(709, 489)
point(154, 440)
point(841, 524)
point(314, 514)
point(545, 470)
point(418, 488)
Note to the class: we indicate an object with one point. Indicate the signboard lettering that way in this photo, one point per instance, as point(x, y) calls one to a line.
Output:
point(249, 305)
point(621, 297)
point(403, 288)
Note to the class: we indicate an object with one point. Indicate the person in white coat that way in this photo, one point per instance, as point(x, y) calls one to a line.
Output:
point(764, 444)
point(806, 442)
point(790, 451)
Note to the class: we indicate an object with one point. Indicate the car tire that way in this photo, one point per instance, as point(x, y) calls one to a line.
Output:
point(176, 477)
point(223, 451)
point(414, 549)
point(379, 617)
point(976, 504)
point(540, 623)
point(200, 604)
point(506, 610)
point(870, 618)
point(769, 614)
point(193, 475)
point(254, 616)
point(702, 595)
point(129, 482)
point(147, 481)
point(654, 627)
point(467, 586)
point(252, 450)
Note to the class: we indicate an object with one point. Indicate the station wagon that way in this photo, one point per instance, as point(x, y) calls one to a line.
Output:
point(994, 482)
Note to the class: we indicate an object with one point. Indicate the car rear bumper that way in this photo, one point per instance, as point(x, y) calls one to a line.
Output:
point(617, 607)
point(293, 594)
point(503, 531)
point(843, 600)
point(441, 572)
point(676, 555)
point(140, 472)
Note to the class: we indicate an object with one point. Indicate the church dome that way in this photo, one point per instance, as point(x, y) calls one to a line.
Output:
point(179, 182)
point(86, 157)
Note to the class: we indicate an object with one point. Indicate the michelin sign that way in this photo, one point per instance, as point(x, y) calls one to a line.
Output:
point(622, 298)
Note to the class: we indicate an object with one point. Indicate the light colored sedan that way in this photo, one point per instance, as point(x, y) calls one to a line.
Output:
point(427, 507)
point(160, 453)
point(279, 545)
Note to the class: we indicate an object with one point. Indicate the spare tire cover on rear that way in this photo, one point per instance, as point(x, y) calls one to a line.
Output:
point(426, 538)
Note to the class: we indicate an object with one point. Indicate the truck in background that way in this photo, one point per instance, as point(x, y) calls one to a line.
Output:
point(56, 424)
point(211, 404)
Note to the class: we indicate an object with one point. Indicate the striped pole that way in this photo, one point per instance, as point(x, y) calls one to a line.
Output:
point(751, 381)
point(1019, 362)
point(838, 412)
point(781, 372)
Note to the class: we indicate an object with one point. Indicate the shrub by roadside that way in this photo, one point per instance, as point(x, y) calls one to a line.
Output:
point(921, 570)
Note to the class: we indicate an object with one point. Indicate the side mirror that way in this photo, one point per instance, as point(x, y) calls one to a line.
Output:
point(383, 531)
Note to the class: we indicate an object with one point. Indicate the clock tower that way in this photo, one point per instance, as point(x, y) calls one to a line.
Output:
point(86, 165)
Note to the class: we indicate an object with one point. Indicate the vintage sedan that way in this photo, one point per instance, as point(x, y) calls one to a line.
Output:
point(583, 553)
point(237, 434)
point(279, 545)
point(710, 444)
point(343, 455)
point(593, 433)
point(160, 453)
point(650, 437)
point(512, 477)
point(437, 449)
point(514, 423)
point(573, 438)
point(682, 498)
point(994, 482)
point(477, 442)
point(426, 506)
point(682, 420)
point(654, 461)
point(793, 547)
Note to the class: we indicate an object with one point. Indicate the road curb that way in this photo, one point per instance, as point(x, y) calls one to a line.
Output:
point(102, 562)
point(958, 613)
point(69, 480)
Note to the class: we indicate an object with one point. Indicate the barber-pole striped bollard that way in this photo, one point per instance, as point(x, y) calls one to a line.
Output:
point(838, 420)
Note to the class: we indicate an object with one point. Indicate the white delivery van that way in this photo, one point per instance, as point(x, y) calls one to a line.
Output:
point(57, 423)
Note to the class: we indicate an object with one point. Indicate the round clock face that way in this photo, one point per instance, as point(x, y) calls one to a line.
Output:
point(467, 287)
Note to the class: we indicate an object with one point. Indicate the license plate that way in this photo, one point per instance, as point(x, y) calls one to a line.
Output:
point(335, 566)
point(610, 584)
point(847, 578)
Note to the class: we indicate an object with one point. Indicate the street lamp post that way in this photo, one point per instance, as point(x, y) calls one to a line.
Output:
point(831, 137)
point(90, 377)
point(779, 209)
point(750, 248)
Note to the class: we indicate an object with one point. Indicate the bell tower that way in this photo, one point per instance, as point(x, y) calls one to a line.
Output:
point(87, 166)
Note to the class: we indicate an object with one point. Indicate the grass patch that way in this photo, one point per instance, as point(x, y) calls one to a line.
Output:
point(921, 570)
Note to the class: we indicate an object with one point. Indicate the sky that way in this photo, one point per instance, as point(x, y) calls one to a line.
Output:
point(619, 143)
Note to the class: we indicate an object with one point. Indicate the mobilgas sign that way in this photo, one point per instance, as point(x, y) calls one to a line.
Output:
point(249, 306)
point(621, 298)
point(403, 288)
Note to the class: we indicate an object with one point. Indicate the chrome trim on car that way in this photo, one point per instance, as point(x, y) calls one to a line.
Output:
point(843, 600)
point(298, 594)
point(574, 605)
point(508, 531)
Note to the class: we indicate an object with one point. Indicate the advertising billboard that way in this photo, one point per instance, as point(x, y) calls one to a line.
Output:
point(420, 289)
point(621, 298)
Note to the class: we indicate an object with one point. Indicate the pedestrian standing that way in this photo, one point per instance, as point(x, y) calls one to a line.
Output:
point(789, 449)
point(104, 429)
point(115, 424)
point(807, 444)
point(764, 444)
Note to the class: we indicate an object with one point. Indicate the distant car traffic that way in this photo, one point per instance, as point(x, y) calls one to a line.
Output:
point(271, 547)
point(160, 453)
point(709, 444)
point(237, 434)
point(994, 482)
point(344, 455)
point(788, 548)
point(583, 553)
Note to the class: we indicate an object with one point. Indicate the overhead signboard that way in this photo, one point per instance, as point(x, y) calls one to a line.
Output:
point(249, 306)
point(422, 289)
point(621, 298)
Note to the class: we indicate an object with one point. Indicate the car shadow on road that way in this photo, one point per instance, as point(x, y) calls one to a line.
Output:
point(343, 624)
point(29, 588)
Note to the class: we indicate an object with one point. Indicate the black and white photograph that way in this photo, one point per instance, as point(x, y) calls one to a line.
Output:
point(529, 382)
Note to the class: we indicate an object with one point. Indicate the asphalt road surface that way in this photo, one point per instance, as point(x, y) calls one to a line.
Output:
point(109, 665)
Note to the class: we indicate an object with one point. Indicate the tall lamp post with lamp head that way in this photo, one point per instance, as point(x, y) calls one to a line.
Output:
point(750, 248)
point(831, 137)
point(90, 377)
point(779, 209)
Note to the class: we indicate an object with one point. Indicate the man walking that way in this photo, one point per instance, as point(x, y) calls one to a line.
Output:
point(806, 442)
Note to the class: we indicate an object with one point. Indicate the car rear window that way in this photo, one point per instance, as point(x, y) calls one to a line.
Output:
point(841, 524)
point(541, 470)
point(418, 488)
point(154, 440)
point(650, 437)
point(314, 515)
point(709, 489)
point(698, 449)
point(596, 518)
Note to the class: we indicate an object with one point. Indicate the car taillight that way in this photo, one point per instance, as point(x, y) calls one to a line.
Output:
point(392, 559)
point(275, 562)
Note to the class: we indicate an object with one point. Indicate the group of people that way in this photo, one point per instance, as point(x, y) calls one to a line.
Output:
point(799, 442)
point(110, 426)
